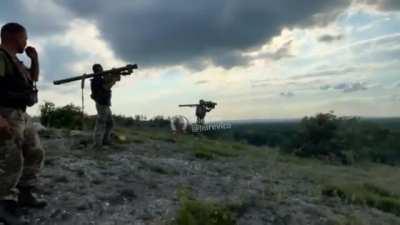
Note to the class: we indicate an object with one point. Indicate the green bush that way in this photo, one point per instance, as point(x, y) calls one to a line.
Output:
point(347, 139)
point(195, 212)
point(365, 194)
point(69, 116)
point(318, 136)
point(272, 134)
point(160, 121)
point(124, 121)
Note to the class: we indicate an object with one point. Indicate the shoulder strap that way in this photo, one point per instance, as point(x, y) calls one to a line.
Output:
point(22, 71)
point(4, 52)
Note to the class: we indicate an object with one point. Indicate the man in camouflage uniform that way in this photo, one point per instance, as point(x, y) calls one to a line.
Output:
point(201, 110)
point(101, 94)
point(21, 154)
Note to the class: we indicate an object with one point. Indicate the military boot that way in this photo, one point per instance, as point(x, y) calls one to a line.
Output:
point(27, 198)
point(9, 214)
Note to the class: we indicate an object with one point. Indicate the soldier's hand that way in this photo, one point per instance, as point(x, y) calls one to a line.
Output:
point(31, 52)
point(5, 129)
point(116, 77)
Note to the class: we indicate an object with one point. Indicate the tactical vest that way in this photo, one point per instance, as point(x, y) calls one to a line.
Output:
point(201, 111)
point(100, 95)
point(16, 90)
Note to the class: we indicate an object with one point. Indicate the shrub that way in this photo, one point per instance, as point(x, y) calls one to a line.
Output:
point(160, 121)
point(348, 139)
point(68, 116)
point(317, 135)
point(125, 121)
point(365, 194)
point(196, 212)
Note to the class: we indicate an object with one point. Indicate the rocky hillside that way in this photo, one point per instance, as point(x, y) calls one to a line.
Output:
point(154, 177)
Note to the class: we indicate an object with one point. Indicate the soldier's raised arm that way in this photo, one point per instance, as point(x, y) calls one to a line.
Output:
point(110, 80)
point(34, 69)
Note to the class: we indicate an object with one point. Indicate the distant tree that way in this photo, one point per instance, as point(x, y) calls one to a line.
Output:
point(347, 139)
point(68, 116)
point(160, 121)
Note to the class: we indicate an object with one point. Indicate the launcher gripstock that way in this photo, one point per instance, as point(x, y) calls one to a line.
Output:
point(124, 71)
point(211, 104)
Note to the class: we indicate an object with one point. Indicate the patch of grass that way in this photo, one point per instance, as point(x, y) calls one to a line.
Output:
point(165, 138)
point(203, 155)
point(138, 141)
point(220, 147)
point(239, 146)
point(210, 153)
point(365, 194)
point(211, 149)
point(350, 219)
point(126, 136)
point(196, 212)
point(205, 148)
point(158, 135)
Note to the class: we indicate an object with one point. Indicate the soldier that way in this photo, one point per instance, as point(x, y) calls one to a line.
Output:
point(21, 154)
point(101, 94)
point(201, 110)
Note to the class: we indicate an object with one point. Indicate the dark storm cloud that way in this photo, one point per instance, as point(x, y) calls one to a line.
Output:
point(57, 60)
point(41, 18)
point(230, 59)
point(328, 38)
point(159, 32)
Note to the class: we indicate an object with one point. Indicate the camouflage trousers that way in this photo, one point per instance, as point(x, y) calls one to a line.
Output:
point(21, 156)
point(104, 125)
point(200, 121)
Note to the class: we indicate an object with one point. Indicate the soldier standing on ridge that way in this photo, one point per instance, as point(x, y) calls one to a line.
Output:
point(101, 94)
point(21, 154)
point(201, 110)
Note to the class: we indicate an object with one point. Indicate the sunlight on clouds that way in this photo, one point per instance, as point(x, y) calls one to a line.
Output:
point(83, 36)
point(274, 45)
point(299, 72)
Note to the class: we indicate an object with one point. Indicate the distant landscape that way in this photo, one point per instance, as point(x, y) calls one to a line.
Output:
point(322, 169)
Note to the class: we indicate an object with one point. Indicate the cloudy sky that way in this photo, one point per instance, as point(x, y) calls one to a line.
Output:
point(256, 58)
